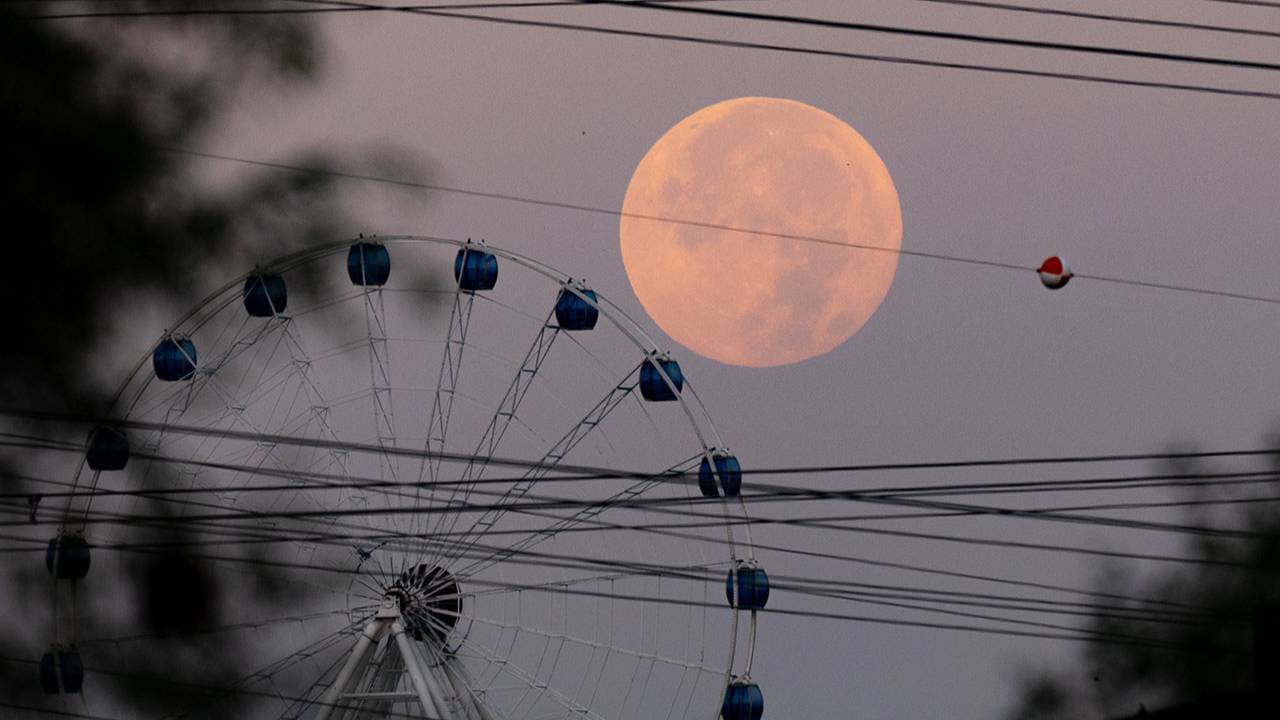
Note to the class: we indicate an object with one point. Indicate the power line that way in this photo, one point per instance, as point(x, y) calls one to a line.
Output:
point(828, 523)
point(413, 544)
point(900, 31)
point(331, 481)
point(210, 689)
point(338, 9)
point(806, 585)
point(894, 59)
point(96, 420)
point(1255, 3)
point(577, 207)
point(662, 530)
point(762, 491)
point(246, 535)
point(561, 588)
point(872, 57)
point(542, 502)
point(1122, 19)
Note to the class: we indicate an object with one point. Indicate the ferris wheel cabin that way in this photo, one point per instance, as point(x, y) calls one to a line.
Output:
point(265, 295)
point(475, 270)
point(653, 384)
point(742, 701)
point(368, 264)
point(727, 468)
point(61, 671)
point(174, 359)
point(575, 314)
point(108, 450)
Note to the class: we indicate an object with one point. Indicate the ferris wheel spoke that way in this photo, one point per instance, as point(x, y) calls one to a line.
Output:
point(213, 629)
point(455, 696)
point(380, 382)
point(472, 700)
point(529, 680)
point(271, 669)
point(446, 386)
point(587, 514)
point(313, 694)
point(237, 410)
point(521, 632)
point(504, 414)
point(319, 409)
point(499, 589)
point(207, 376)
point(319, 517)
point(241, 344)
point(584, 642)
point(612, 399)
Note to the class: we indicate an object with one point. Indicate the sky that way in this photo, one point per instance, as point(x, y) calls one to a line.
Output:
point(960, 361)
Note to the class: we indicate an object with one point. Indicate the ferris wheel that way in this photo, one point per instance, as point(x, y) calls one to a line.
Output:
point(418, 492)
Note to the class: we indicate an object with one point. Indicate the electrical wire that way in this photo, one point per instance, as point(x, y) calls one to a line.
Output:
point(675, 6)
point(313, 480)
point(1121, 19)
point(780, 581)
point(544, 502)
point(577, 207)
point(899, 31)
point(338, 8)
point(872, 57)
point(1071, 634)
point(98, 420)
point(1255, 3)
point(812, 51)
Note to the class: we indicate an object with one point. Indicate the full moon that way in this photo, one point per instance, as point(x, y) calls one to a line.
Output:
point(777, 167)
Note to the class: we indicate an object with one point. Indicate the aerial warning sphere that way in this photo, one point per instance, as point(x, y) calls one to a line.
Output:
point(1055, 273)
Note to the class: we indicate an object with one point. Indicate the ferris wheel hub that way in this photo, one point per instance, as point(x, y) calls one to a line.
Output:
point(429, 601)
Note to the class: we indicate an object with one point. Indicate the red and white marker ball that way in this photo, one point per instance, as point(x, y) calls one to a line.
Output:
point(1054, 273)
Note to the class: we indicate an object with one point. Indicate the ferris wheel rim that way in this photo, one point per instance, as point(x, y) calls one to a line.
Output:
point(692, 406)
point(621, 319)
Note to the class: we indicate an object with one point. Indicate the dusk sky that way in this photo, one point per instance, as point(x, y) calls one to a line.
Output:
point(960, 361)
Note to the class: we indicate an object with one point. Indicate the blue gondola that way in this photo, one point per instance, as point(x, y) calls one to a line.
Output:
point(61, 671)
point(653, 387)
point(265, 295)
point(742, 701)
point(67, 558)
point(368, 264)
point(475, 269)
point(753, 587)
point(729, 471)
point(174, 359)
point(108, 450)
point(574, 313)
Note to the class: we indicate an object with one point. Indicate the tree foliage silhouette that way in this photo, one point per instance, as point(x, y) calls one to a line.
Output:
point(102, 225)
point(1115, 681)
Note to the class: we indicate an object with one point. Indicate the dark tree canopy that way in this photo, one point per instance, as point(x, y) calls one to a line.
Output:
point(1215, 662)
point(103, 222)
point(100, 213)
